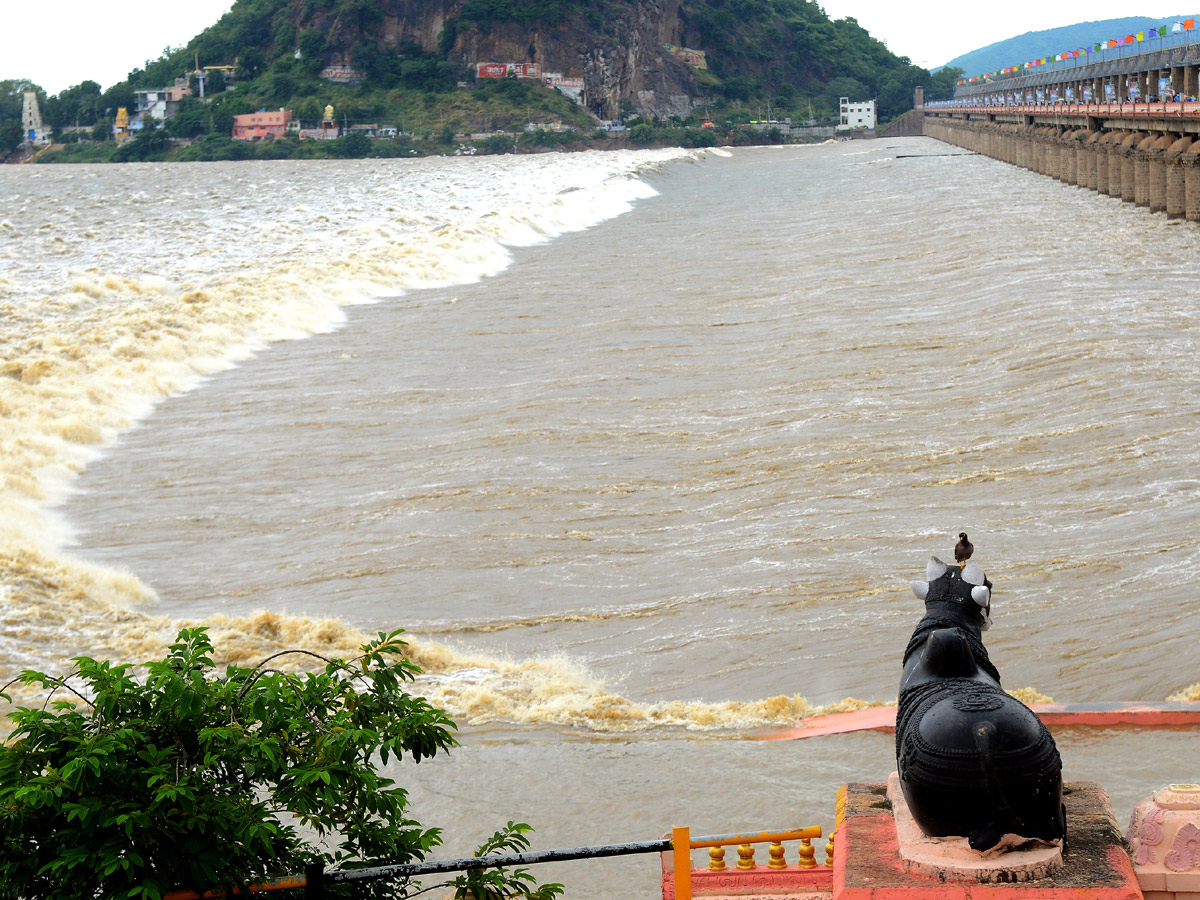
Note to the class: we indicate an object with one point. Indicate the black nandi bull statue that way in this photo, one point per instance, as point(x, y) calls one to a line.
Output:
point(972, 760)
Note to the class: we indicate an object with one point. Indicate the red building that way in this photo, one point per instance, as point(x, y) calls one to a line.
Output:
point(256, 126)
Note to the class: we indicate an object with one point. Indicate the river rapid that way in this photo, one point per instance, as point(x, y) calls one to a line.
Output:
point(643, 450)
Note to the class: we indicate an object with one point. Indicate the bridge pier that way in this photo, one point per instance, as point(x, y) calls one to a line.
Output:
point(1154, 167)
point(1087, 160)
point(1158, 172)
point(1191, 185)
point(1126, 151)
point(1045, 152)
point(1114, 164)
point(1100, 163)
point(1140, 154)
point(1175, 197)
point(1083, 156)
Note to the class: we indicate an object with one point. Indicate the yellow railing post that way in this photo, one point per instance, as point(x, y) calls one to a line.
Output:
point(682, 855)
point(806, 855)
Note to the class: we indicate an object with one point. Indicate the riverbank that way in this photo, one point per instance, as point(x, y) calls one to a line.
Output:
point(157, 147)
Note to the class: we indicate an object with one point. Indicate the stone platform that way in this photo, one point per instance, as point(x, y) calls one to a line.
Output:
point(1013, 860)
point(868, 863)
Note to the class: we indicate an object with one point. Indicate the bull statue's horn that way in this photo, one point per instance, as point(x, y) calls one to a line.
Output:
point(935, 569)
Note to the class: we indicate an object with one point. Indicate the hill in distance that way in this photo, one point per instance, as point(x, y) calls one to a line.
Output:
point(418, 58)
point(1051, 41)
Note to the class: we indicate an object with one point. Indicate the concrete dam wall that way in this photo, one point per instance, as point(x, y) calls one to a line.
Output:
point(1156, 169)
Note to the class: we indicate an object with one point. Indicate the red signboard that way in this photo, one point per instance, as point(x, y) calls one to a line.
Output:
point(503, 70)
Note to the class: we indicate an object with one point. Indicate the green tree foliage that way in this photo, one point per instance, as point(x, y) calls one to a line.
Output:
point(133, 784)
point(12, 99)
point(642, 133)
point(355, 145)
point(550, 139)
point(313, 45)
point(191, 120)
point(12, 93)
point(215, 83)
point(10, 134)
point(448, 36)
point(250, 62)
point(309, 112)
point(496, 144)
point(163, 71)
point(120, 94)
point(151, 143)
point(77, 105)
point(217, 146)
point(942, 84)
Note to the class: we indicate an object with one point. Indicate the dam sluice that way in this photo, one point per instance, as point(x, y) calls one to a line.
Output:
point(1157, 169)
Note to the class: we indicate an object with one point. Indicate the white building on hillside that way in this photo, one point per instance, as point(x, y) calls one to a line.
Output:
point(158, 103)
point(857, 116)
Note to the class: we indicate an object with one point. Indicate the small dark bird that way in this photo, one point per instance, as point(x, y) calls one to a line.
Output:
point(963, 549)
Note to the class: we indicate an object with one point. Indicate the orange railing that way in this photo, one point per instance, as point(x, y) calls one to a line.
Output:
point(682, 845)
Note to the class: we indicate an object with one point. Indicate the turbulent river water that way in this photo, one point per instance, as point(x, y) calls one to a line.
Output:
point(642, 449)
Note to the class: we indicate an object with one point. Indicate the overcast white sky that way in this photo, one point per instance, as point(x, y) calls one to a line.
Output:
point(66, 41)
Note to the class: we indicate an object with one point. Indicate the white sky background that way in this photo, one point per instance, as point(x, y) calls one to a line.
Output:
point(934, 32)
point(62, 43)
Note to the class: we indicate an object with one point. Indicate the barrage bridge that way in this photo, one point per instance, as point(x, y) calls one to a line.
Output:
point(1127, 125)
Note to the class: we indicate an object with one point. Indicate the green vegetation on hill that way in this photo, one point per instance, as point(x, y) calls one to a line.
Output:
point(782, 58)
point(1050, 42)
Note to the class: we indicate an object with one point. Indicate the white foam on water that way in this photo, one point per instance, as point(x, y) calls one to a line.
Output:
point(111, 301)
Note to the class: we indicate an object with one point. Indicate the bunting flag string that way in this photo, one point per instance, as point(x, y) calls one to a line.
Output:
point(1136, 38)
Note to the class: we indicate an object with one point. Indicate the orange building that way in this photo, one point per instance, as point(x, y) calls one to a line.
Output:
point(256, 126)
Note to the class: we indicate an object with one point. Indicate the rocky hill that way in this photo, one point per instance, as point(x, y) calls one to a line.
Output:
point(755, 50)
point(414, 67)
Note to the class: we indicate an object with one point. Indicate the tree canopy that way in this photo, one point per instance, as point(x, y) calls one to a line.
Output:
point(130, 783)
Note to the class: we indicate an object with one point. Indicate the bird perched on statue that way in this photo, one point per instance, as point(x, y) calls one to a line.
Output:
point(963, 549)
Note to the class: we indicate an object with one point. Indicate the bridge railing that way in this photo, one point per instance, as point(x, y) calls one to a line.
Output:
point(1183, 109)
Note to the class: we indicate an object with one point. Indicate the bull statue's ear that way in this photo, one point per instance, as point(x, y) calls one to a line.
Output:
point(987, 619)
point(981, 595)
point(921, 589)
point(972, 573)
point(935, 569)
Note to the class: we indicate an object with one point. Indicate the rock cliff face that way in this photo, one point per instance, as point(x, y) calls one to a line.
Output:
point(624, 58)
